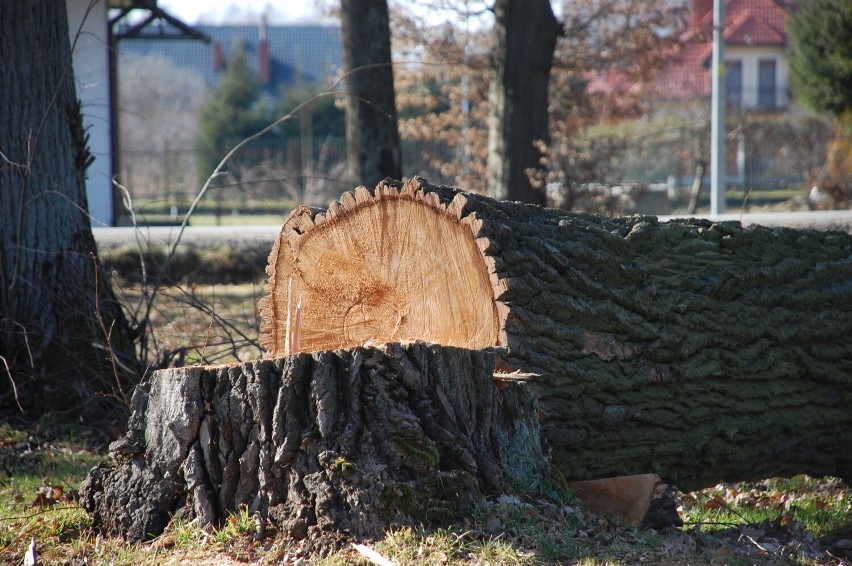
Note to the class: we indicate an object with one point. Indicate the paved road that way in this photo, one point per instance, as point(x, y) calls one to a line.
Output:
point(168, 234)
point(834, 219)
point(820, 220)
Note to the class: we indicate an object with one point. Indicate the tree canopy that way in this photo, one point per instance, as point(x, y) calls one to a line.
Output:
point(326, 119)
point(444, 102)
point(820, 55)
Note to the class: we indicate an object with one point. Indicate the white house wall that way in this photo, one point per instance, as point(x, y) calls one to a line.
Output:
point(750, 57)
point(91, 71)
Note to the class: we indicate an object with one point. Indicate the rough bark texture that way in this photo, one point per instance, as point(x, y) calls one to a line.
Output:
point(51, 284)
point(525, 37)
point(336, 442)
point(694, 350)
point(699, 351)
point(372, 137)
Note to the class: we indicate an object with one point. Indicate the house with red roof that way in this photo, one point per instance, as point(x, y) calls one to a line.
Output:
point(756, 69)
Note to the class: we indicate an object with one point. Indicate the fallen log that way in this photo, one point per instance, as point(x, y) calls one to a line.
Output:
point(695, 350)
point(699, 351)
point(322, 446)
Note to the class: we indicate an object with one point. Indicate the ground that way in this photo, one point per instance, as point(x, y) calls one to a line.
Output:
point(800, 520)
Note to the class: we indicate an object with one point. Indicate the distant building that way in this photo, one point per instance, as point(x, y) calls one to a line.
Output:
point(756, 68)
point(280, 56)
point(772, 144)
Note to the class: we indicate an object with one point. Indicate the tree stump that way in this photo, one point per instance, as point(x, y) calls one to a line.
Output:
point(696, 350)
point(330, 444)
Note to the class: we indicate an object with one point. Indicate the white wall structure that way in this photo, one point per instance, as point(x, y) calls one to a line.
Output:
point(750, 58)
point(87, 25)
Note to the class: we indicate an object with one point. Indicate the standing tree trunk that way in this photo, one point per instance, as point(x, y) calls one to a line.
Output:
point(694, 350)
point(526, 34)
point(60, 322)
point(372, 137)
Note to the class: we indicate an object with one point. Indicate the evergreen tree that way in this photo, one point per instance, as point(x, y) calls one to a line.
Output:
point(820, 55)
point(327, 120)
point(230, 115)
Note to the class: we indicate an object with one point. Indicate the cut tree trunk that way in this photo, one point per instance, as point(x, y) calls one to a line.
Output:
point(322, 446)
point(699, 351)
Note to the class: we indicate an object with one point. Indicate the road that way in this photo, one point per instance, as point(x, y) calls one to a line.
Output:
point(828, 219)
point(820, 219)
point(163, 235)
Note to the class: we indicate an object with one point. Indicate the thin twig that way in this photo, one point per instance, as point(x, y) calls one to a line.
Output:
point(108, 334)
point(40, 512)
point(12, 381)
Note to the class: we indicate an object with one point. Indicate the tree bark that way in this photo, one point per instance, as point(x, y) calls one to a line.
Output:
point(372, 137)
point(60, 322)
point(525, 38)
point(323, 445)
point(699, 351)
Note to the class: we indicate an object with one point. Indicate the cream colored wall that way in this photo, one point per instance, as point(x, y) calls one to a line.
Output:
point(750, 55)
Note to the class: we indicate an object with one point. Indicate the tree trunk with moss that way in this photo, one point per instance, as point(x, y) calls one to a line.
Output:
point(699, 351)
point(323, 445)
point(60, 324)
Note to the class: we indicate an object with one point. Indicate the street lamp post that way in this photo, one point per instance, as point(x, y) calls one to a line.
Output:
point(717, 113)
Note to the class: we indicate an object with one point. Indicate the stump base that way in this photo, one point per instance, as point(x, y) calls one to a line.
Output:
point(349, 442)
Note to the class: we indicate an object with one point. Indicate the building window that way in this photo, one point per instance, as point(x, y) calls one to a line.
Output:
point(766, 84)
point(734, 83)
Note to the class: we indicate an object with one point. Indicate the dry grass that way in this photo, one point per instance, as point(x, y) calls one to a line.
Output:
point(198, 324)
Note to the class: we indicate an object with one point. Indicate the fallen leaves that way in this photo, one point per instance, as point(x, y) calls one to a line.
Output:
point(48, 495)
point(799, 519)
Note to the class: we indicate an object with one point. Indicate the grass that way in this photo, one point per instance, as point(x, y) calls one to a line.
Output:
point(821, 507)
point(775, 521)
point(228, 217)
point(38, 489)
point(238, 220)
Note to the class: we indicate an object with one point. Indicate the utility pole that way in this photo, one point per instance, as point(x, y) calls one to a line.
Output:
point(717, 113)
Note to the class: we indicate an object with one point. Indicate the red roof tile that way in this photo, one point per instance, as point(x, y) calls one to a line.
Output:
point(761, 20)
point(747, 22)
point(687, 75)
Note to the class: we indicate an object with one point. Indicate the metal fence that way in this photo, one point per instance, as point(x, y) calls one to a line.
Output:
point(761, 156)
